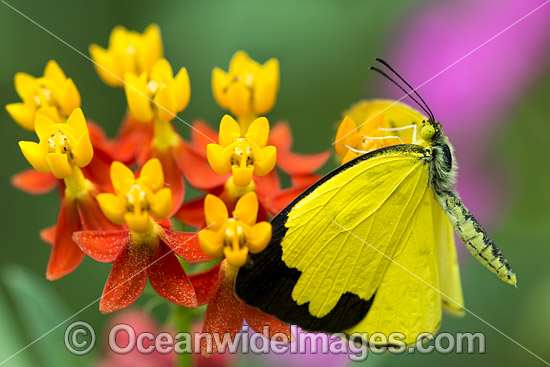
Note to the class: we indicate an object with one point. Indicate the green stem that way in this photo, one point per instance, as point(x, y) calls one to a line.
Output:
point(184, 317)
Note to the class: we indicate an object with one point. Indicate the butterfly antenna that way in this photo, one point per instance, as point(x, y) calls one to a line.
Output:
point(385, 63)
point(403, 89)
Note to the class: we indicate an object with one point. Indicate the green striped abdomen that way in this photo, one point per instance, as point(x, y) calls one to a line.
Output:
point(480, 245)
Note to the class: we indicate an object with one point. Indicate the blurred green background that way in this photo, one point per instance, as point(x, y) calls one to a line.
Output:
point(324, 50)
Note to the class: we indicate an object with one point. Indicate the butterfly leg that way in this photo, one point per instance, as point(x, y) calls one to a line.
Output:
point(413, 126)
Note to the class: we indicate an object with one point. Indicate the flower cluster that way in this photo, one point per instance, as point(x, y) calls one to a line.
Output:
point(117, 215)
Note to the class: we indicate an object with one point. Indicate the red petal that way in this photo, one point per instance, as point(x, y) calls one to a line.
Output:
point(48, 235)
point(101, 245)
point(34, 182)
point(280, 136)
point(304, 181)
point(186, 245)
point(275, 203)
point(196, 169)
point(92, 217)
point(205, 283)
point(224, 313)
point(192, 212)
point(268, 184)
point(168, 278)
point(65, 255)
point(126, 281)
point(300, 164)
point(172, 176)
point(98, 170)
point(257, 320)
point(202, 135)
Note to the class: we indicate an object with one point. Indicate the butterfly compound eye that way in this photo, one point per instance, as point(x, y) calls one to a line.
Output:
point(427, 132)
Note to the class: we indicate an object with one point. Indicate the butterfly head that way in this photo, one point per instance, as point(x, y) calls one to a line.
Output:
point(430, 130)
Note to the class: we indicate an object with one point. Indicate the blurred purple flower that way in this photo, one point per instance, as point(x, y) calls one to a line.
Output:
point(304, 353)
point(472, 97)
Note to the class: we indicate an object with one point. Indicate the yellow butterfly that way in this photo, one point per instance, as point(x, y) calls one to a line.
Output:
point(369, 248)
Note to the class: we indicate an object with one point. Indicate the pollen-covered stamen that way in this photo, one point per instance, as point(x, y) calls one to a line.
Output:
point(234, 234)
point(242, 153)
point(59, 142)
point(136, 200)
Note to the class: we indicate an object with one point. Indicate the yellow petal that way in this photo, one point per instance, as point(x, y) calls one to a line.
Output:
point(71, 97)
point(371, 123)
point(347, 128)
point(138, 222)
point(121, 176)
point(238, 62)
point(220, 82)
point(235, 256)
point(22, 114)
point(25, 85)
point(215, 211)
point(35, 155)
point(211, 242)
point(349, 156)
point(266, 87)
point(83, 152)
point(260, 235)
point(266, 165)
point(112, 207)
point(42, 124)
point(238, 99)
point(165, 104)
point(54, 72)
point(152, 174)
point(246, 209)
point(161, 70)
point(50, 112)
point(258, 131)
point(218, 158)
point(106, 66)
point(242, 175)
point(137, 97)
point(163, 203)
point(151, 50)
point(183, 89)
point(229, 131)
point(59, 164)
point(77, 122)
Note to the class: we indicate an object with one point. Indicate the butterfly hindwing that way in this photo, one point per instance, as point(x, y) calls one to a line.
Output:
point(332, 246)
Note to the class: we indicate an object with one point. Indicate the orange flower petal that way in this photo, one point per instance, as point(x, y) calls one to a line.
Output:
point(65, 255)
point(102, 246)
point(169, 280)
point(185, 245)
point(126, 281)
point(205, 283)
point(225, 312)
point(34, 182)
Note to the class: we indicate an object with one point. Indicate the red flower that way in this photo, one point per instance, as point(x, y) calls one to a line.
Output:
point(137, 258)
point(225, 313)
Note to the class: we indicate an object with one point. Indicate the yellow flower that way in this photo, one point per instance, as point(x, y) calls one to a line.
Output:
point(248, 88)
point(61, 146)
point(233, 237)
point(375, 116)
point(136, 200)
point(53, 89)
point(244, 154)
point(128, 52)
point(170, 94)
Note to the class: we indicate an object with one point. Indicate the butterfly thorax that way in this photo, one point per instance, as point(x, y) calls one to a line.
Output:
point(440, 156)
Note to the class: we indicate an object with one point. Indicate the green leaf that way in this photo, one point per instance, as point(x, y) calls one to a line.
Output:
point(44, 317)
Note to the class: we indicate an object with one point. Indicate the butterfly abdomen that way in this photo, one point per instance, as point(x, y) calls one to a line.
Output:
point(480, 245)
